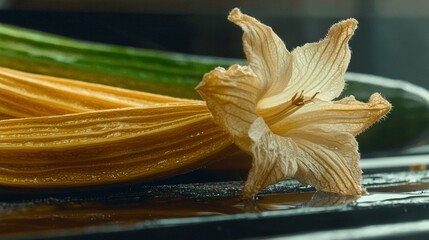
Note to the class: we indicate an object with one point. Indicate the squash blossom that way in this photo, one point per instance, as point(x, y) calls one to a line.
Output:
point(280, 109)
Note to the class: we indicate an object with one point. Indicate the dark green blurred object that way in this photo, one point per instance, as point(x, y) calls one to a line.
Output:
point(408, 122)
point(146, 70)
point(177, 74)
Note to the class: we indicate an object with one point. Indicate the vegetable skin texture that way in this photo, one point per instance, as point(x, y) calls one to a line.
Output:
point(101, 135)
point(32, 95)
point(109, 146)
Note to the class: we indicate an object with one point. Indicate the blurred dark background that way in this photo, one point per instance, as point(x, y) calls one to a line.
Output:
point(392, 39)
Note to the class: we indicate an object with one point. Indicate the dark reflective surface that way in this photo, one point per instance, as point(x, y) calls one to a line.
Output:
point(123, 208)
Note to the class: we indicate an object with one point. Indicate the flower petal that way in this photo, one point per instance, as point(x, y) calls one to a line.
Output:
point(329, 161)
point(231, 96)
point(265, 51)
point(346, 115)
point(273, 158)
point(319, 67)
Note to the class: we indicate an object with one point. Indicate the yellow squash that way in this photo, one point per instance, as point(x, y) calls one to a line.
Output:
point(31, 95)
point(109, 146)
point(64, 133)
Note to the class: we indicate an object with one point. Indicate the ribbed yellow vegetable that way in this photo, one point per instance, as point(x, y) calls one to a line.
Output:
point(110, 146)
point(31, 95)
point(99, 134)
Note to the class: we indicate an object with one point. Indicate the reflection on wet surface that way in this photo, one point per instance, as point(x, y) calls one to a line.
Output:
point(63, 214)
point(19, 217)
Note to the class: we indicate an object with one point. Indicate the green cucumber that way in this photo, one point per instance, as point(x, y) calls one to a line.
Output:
point(177, 74)
point(408, 122)
point(146, 70)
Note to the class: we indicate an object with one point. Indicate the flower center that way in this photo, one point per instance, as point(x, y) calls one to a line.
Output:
point(299, 100)
point(279, 112)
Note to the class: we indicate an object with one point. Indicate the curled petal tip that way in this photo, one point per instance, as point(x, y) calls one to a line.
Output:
point(242, 20)
point(351, 25)
point(219, 74)
point(351, 22)
point(235, 15)
point(344, 28)
point(377, 100)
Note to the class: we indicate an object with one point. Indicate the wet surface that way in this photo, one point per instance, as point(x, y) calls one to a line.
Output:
point(144, 209)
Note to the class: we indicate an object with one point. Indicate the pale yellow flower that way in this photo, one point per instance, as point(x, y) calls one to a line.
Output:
point(279, 109)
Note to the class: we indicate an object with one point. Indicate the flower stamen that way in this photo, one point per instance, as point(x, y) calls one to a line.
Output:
point(279, 112)
point(299, 100)
point(312, 98)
